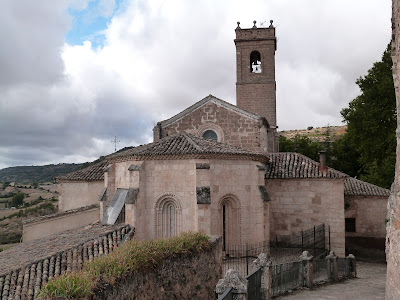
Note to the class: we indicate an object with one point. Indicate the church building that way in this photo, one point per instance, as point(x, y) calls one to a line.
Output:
point(215, 167)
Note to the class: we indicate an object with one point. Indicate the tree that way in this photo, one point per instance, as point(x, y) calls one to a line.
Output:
point(17, 199)
point(371, 124)
point(301, 144)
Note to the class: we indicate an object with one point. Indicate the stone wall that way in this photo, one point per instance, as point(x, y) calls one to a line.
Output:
point(59, 222)
point(75, 194)
point(393, 229)
point(370, 213)
point(188, 276)
point(231, 127)
point(233, 183)
point(299, 204)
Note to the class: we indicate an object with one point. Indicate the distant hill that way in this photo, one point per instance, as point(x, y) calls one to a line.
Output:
point(29, 174)
point(318, 134)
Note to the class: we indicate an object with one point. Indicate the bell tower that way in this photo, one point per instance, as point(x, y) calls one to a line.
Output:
point(255, 71)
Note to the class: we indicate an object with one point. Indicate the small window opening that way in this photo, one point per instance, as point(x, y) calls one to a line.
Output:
point(255, 62)
point(210, 135)
point(350, 224)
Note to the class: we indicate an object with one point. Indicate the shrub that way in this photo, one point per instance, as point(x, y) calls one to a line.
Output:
point(132, 256)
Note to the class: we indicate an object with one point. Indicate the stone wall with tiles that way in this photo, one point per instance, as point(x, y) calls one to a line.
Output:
point(370, 213)
point(188, 276)
point(78, 194)
point(299, 204)
point(232, 128)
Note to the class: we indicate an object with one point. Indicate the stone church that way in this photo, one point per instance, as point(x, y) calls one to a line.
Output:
point(215, 167)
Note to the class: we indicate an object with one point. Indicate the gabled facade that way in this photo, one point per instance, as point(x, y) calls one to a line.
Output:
point(219, 120)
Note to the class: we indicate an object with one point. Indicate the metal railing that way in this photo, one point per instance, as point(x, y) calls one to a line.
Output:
point(285, 277)
point(320, 270)
point(227, 295)
point(312, 240)
point(254, 285)
point(240, 257)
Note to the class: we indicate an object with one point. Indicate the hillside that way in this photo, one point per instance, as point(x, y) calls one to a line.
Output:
point(29, 174)
point(318, 134)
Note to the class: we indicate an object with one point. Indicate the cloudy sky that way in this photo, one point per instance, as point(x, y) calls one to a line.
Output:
point(74, 74)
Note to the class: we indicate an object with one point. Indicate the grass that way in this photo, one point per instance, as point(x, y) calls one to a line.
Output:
point(132, 256)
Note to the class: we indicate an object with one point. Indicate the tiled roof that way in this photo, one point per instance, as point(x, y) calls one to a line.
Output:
point(27, 267)
point(295, 165)
point(91, 173)
point(61, 213)
point(181, 145)
point(355, 187)
point(209, 98)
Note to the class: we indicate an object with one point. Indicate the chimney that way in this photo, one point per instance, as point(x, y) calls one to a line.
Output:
point(322, 161)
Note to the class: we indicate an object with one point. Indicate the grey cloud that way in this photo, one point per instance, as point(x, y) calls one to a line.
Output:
point(149, 71)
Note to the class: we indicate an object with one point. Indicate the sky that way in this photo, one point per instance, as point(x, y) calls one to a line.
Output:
point(75, 74)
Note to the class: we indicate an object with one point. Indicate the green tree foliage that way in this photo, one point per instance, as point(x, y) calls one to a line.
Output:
point(301, 144)
point(17, 199)
point(370, 142)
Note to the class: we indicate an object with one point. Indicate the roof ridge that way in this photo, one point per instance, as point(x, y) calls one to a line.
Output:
point(191, 141)
point(203, 101)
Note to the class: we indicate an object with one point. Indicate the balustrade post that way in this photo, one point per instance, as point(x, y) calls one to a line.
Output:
point(333, 268)
point(235, 281)
point(351, 265)
point(307, 269)
point(264, 263)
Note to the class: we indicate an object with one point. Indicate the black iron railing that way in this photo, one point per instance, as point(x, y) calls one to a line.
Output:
point(254, 285)
point(285, 277)
point(241, 257)
point(312, 240)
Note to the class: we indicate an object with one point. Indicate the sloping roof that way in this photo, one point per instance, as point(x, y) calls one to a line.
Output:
point(294, 165)
point(35, 250)
point(25, 268)
point(184, 143)
point(209, 98)
point(180, 145)
point(91, 173)
point(355, 187)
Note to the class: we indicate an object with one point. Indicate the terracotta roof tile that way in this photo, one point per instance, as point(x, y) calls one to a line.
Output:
point(295, 165)
point(184, 143)
point(355, 187)
point(178, 145)
point(91, 173)
point(27, 267)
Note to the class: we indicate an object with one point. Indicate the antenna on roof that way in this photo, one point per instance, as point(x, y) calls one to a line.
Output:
point(115, 141)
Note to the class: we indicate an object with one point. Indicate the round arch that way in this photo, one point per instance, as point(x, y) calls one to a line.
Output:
point(255, 62)
point(213, 127)
point(168, 216)
point(230, 220)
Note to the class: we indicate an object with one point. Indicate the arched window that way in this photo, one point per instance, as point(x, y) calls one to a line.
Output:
point(229, 222)
point(255, 62)
point(210, 135)
point(168, 217)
